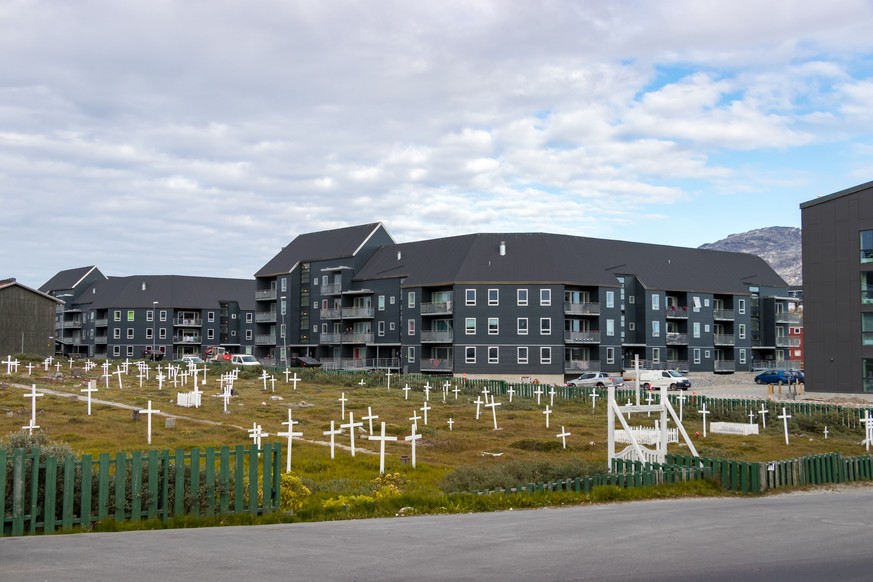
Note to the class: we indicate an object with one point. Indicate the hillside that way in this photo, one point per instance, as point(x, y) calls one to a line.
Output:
point(778, 245)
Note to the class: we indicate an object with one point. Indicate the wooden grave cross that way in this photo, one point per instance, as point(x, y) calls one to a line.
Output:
point(370, 417)
point(33, 396)
point(411, 439)
point(342, 400)
point(552, 396)
point(594, 397)
point(29, 369)
point(387, 375)
point(287, 373)
point(752, 417)
point(352, 425)
point(450, 422)
point(424, 409)
point(92, 387)
point(117, 372)
point(264, 377)
point(510, 391)
point(493, 406)
point(406, 390)
point(290, 434)
point(868, 428)
point(547, 412)
point(478, 403)
point(681, 398)
point(784, 418)
point(294, 380)
point(148, 412)
point(704, 412)
point(764, 412)
point(426, 391)
point(333, 432)
point(456, 390)
point(382, 439)
point(563, 436)
point(414, 418)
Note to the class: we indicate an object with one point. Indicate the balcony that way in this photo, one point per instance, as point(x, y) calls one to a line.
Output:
point(444, 308)
point(441, 336)
point(787, 342)
point(265, 295)
point(357, 312)
point(789, 318)
point(676, 312)
point(330, 338)
point(265, 340)
point(265, 317)
point(677, 339)
point(73, 324)
point(188, 321)
point(333, 313)
point(723, 339)
point(332, 289)
point(582, 337)
point(186, 339)
point(724, 366)
point(358, 338)
point(104, 322)
point(581, 308)
point(101, 339)
point(436, 364)
point(579, 366)
point(723, 314)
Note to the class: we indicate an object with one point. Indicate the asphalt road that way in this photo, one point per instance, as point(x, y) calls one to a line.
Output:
point(821, 535)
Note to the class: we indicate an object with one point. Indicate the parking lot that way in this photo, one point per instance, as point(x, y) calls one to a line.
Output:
point(742, 384)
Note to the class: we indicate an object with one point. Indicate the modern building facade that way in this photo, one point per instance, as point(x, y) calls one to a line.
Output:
point(517, 305)
point(171, 315)
point(838, 290)
point(27, 320)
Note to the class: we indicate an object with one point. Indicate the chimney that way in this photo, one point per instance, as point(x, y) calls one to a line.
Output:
point(502, 248)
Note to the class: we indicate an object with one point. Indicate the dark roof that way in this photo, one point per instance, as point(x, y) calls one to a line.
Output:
point(564, 259)
point(840, 194)
point(319, 246)
point(13, 283)
point(170, 291)
point(68, 279)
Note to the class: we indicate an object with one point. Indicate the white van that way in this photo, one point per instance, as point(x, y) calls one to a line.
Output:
point(657, 379)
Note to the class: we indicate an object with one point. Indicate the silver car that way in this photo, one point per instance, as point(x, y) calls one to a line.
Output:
point(596, 380)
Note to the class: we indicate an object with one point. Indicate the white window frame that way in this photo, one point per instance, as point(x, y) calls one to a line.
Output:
point(150, 333)
point(116, 351)
point(210, 334)
point(470, 330)
point(493, 297)
point(695, 329)
point(545, 326)
point(741, 306)
point(162, 333)
point(248, 335)
point(610, 327)
point(380, 328)
point(470, 355)
point(610, 299)
point(116, 315)
point(250, 317)
point(521, 297)
point(130, 333)
point(521, 326)
point(469, 297)
point(742, 355)
point(495, 358)
point(381, 303)
point(610, 355)
point(741, 331)
point(210, 316)
point(116, 333)
point(696, 355)
point(521, 354)
point(656, 302)
point(129, 351)
point(545, 355)
point(283, 284)
point(656, 328)
point(410, 354)
point(545, 297)
point(656, 355)
point(162, 315)
point(410, 300)
point(410, 327)
point(493, 326)
point(150, 315)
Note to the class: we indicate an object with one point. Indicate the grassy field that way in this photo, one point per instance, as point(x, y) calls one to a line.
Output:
point(471, 453)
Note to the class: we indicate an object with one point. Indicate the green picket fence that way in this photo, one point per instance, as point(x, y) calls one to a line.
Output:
point(59, 494)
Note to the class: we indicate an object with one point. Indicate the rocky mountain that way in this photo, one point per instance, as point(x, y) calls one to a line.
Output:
point(778, 245)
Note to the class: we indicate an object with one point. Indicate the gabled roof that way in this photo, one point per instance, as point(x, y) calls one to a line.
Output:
point(564, 259)
point(835, 195)
point(14, 283)
point(320, 246)
point(69, 279)
point(170, 291)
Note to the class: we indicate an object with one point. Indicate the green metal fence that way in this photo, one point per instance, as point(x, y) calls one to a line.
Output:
point(49, 494)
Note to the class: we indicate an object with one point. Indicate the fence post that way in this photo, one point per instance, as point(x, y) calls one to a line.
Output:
point(50, 499)
point(239, 459)
point(102, 486)
point(18, 492)
point(69, 490)
point(85, 506)
point(34, 489)
point(253, 479)
point(210, 481)
point(195, 481)
point(136, 486)
point(154, 484)
point(179, 484)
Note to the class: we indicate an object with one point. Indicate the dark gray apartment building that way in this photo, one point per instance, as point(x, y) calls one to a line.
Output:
point(838, 290)
point(128, 317)
point(517, 305)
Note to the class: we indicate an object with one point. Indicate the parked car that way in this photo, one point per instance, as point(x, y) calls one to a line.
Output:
point(775, 377)
point(799, 376)
point(244, 360)
point(596, 379)
point(304, 362)
point(657, 379)
point(192, 360)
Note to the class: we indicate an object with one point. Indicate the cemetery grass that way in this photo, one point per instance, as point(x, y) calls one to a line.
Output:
point(472, 456)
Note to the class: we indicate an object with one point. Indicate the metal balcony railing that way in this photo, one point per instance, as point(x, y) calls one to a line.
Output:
point(677, 339)
point(357, 312)
point(584, 337)
point(442, 336)
point(444, 308)
point(723, 339)
point(581, 308)
point(723, 314)
point(265, 295)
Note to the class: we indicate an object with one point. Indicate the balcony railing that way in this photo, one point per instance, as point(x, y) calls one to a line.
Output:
point(265, 295)
point(101, 339)
point(357, 312)
point(787, 342)
point(582, 337)
point(724, 366)
point(265, 316)
point(581, 308)
point(573, 366)
point(186, 339)
point(444, 308)
point(436, 364)
point(723, 314)
point(188, 321)
point(265, 340)
point(790, 318)
point(677, 339)
point(360, 364)
point(330, 338)
point(332, 313)
point(723, 339)
point(104, 322)
point(73, 324)
point(676, 312)
point(442, 336)
point(357, 338)
point(332, 289)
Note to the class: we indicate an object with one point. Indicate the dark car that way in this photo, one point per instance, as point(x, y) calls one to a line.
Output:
point(775, 377)
point(305, 362)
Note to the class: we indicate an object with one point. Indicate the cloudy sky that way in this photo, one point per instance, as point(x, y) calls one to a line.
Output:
point(199, 137)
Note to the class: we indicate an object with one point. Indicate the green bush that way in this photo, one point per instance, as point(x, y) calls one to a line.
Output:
point(513, 473)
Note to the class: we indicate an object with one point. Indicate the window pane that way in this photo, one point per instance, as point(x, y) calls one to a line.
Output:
point(867, 246)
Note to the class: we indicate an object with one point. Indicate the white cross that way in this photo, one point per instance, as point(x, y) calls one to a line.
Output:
point(160, 379)
point(33, 396)
point(30, 369)
point(382, 440)
point(370, 418)
point(552, 396)
point(424, 409)
point(30, 427)
point(681, 398)
point(264, 377)
point(290, 434)
point(148, 412)
point(362, 383)
point(406, 390)
point(426, 391)
point(333, 432)
point(414, 418)
point(704, 412)
point(273, 383)
point(594, 397)
point(352, 425)
point(71, 362)
point(225, 396)
point(649, 398)
point(826, 432)
point(752, 417)
point(342, 400)
point(288, 373)
point(92, 387)
point(412, 438)
point(196, 394)
point(868, 425)
point(257, 433)
point(446, 387)
point(125, 365)
point(493, 406)
point(510, 391)
point(547, 412)
point(387, 375)
point(538, 392)
point(784, 417)
point(46, 362)
point(141, 375)
point(450, 422)
point(456, 390)
point(58, 367)
point(563, 436)
point(294, 380)
point(8, 363)
point(117, 372)
point(478, 402)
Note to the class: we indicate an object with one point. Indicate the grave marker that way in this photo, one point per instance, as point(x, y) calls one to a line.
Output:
point(764, 413)
point(704, 412)
point(493, 406)
point(510, 391)
point(424, 409)
point(33, 396)
point(148, 412)
point(412, 438)
point(92, 387)
point(784, 417)
point(370, 417)
point(450, 422)
point(406, 392)
point(294, 380)
point(290, 434)
point(352, 425)
point(342, 400)
point(563, 436)
point(547, 412)
point(382, 439)
point(333, 432)
point(478, 403)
